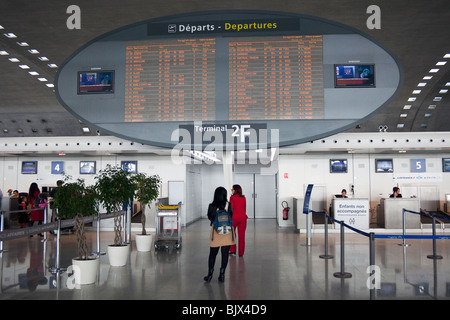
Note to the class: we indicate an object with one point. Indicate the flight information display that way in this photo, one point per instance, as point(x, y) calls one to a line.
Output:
point(268, 78)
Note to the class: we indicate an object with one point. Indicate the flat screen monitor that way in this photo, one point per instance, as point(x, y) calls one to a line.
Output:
point(92, 82)
point(384, 165)
point(354, 76)
point(29, 167)
point(338, 165)
point(446, 164)
point(129, 166)
point(87, 167)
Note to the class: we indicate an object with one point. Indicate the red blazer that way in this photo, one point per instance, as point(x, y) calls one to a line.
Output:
point(239, 205)
point(36, 215)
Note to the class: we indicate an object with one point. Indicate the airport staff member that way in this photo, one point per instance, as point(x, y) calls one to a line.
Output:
point(396, 193)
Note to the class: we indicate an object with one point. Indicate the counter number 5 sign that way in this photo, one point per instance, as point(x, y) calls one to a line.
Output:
point(418, 165)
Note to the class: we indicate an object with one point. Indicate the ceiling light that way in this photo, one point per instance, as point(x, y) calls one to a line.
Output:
point(427, 77)
point(3, 53)
point(432, 106)
point(33, 73)
point(443, 91)
point(42, 79)
point(33, 51)
point(50, 85)
point(427, 115)
point(24, 66)
point(14, 60)
point(46, 59)
point(447, 84)
point(402, 151)
point(447, 55)
point(441, 63)
point(86, 130)
point(407, 106)
point(411, 99)
point(416, 91)
point(10, 35)
point(437, 99)
point(1, 27)
point(423, 125)
point(400, 125)
point(23, 44)
point(403, 115)
point(52, 65)
point(434, 70)
point(422, 84)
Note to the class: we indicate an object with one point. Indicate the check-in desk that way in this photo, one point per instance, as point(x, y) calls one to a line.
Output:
point(391, 213)
point(353, 211)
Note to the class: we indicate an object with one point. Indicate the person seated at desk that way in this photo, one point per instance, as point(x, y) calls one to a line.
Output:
point(342, 195)
point(396, 193)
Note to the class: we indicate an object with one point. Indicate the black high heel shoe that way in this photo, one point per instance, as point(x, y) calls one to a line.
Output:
point(209, 276)
point(222, 275)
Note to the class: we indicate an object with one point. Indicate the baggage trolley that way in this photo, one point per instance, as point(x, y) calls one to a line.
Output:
point(168, 233)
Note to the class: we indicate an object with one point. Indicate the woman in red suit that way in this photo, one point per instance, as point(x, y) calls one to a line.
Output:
point(239, 205)
point(36, 215)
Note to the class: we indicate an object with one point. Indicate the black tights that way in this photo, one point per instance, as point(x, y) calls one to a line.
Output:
point(213, 251)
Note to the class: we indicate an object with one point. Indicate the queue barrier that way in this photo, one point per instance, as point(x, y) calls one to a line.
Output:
point(372, 236)
point(11, 234)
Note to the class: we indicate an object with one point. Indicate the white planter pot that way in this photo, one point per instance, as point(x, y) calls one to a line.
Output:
point(144, 242)
point(85, 270)
point(118, 255)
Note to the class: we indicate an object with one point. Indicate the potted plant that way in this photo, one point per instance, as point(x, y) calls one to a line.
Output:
point(115, 189)
point(147, 190)
point(76, 200)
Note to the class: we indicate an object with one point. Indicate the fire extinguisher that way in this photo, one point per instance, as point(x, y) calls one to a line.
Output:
point(286, 208)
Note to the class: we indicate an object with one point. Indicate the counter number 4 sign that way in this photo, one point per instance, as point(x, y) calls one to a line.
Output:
point(57, 167)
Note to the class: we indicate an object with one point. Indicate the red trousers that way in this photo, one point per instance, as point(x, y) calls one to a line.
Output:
point(241, 226)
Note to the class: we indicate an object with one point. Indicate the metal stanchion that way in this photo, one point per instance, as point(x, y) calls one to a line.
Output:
point(434, 255)
point(2, 222)
point(98, 252)
point(326, 255)
point(404, 244)
point(45, 222)
point(372, 261)
point(342, 274)
point(57, 268)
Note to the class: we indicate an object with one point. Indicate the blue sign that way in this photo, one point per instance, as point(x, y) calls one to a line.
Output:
point(57, 167)
point(307, 199)
point(418, 165)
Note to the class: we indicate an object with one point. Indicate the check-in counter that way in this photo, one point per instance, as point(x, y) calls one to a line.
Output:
point(353, 211)
point(392, 209)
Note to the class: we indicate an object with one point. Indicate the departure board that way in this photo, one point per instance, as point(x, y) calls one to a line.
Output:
point(276, 78)
point(265, 78)
point(170, 80)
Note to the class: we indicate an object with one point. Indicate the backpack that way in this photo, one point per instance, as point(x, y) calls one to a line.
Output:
point(222, 223)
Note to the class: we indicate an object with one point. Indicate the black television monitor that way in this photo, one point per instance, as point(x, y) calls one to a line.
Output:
point(91, 82)
point(87, 167)
point(354, 76)
point(129, 166)
point(384, 165)
point(338, 165)
point(446, 164)
point(29, 167)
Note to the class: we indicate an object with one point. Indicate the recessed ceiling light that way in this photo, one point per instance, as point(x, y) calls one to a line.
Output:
point(434, 70)
point(437, 99)
point(3, 53)
point(427, 115)
point(417, 91)
point(422, 84)
point(50, 85)
point(443, 91)
point(10, 35)
point(43, 58)
point(423, 125)
point(407, 107)
point(86, 130)
point(14, 60)
point(1, 27)
point(441, 63)
point(42, 79)
point(432, 106)
point(33, 73)
point(427, 77)
point(400, 125)
point(23, 44)
point(411, 99)
point(52, 65)
point(33, 51)
point(447, 84)
point(403, 115)
point(24, 66)
point(447, 55)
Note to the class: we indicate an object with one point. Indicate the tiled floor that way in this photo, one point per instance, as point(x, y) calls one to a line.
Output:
point(277, 265)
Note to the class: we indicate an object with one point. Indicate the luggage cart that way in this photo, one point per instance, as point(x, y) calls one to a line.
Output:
point(168, 233)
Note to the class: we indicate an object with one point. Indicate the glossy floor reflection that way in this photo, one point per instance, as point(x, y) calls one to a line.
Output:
point(277, 265)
